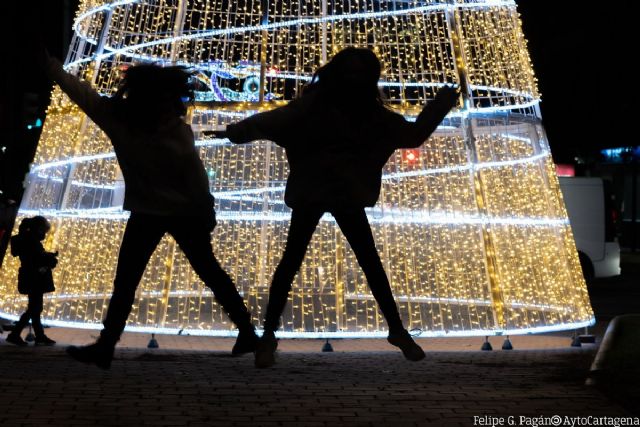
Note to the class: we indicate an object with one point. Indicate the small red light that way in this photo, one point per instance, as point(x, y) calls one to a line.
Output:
point(411, 155)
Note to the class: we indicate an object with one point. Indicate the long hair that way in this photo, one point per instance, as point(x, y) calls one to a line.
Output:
point(330, 82)
point(150, 94)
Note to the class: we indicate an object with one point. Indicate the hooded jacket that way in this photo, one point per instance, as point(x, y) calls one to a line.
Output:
point(34, 274)
point(336, 159)
point(162, 170)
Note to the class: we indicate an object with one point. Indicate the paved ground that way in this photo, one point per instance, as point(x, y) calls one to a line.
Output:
point(193, 381)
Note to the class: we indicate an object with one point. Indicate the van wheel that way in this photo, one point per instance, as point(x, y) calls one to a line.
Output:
point(587, 267)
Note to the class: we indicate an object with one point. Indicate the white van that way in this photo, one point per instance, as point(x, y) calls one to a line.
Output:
point(591, 215)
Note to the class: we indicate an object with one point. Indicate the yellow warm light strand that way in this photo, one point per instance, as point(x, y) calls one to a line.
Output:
point(439, 271)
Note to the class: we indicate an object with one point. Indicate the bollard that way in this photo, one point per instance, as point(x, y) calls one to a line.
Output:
point(486, 346)
point(506, 345)
point(30, 337)
point(327, 347)
point(575, 342)
point(153, 342)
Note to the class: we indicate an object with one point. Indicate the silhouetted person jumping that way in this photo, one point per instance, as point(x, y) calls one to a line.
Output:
point(166, 190)
point(337, 137)
point(34, 276)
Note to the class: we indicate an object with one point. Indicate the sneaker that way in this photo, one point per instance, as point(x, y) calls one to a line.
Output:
point(98, 354)
point(403, 340)
point(44, 341)
point(266, 350)
point(246, 342)
point(16, 339)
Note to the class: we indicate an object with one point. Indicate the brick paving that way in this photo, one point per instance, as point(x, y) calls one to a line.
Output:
point(193, 381)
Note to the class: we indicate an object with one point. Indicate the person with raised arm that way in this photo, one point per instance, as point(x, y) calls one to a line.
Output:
point(166, 191)
point(338, 136)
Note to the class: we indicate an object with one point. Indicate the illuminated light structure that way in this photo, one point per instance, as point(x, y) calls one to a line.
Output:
point(471, 226)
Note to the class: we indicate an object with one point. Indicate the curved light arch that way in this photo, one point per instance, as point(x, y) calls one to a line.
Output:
point(473, 234)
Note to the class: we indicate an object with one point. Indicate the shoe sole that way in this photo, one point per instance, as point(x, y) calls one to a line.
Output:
point(243, 351)
point(71, 351)
point(266, 356)
point(407, 351)
point(412, 358)
point(18, 343)
point(265, 359)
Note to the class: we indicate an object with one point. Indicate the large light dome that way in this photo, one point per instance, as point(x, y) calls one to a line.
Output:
point(471, 226)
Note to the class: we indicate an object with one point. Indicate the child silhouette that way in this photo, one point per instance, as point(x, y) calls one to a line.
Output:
point(34, 276)
point(166, 190)
point(337, 137)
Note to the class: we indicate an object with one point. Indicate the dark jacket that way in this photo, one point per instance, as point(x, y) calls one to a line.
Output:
point(162, 169)
point(34, 275)
point(336, 159)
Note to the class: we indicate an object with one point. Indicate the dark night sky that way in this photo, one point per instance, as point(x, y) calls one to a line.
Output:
point(48, 21)
point(580, 56)
point(24, 23)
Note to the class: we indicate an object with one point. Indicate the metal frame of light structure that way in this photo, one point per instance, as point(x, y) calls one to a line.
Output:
point(263, 27)
point(471, 227)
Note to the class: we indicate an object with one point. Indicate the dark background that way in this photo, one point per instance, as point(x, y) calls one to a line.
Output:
point(581, 54)
point(25, 91)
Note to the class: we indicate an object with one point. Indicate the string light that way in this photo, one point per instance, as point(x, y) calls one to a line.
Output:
point(471, 226)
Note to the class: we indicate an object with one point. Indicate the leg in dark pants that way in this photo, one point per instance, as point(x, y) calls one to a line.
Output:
point(356, 228)
point(34, 309)
point(141, 236)
point(194, 238)
point(303, 224)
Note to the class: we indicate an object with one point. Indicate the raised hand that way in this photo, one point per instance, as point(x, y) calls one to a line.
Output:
point(217, 134)
point(448, 95)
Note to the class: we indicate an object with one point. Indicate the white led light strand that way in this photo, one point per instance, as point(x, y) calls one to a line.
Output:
point(470, 226)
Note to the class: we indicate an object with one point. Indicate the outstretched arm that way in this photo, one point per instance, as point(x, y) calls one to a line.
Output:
point(412, 135)
point(79, 91)
point(274, 125)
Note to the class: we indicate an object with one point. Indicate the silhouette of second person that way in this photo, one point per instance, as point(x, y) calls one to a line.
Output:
point(338, 136)
point(166, 191)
